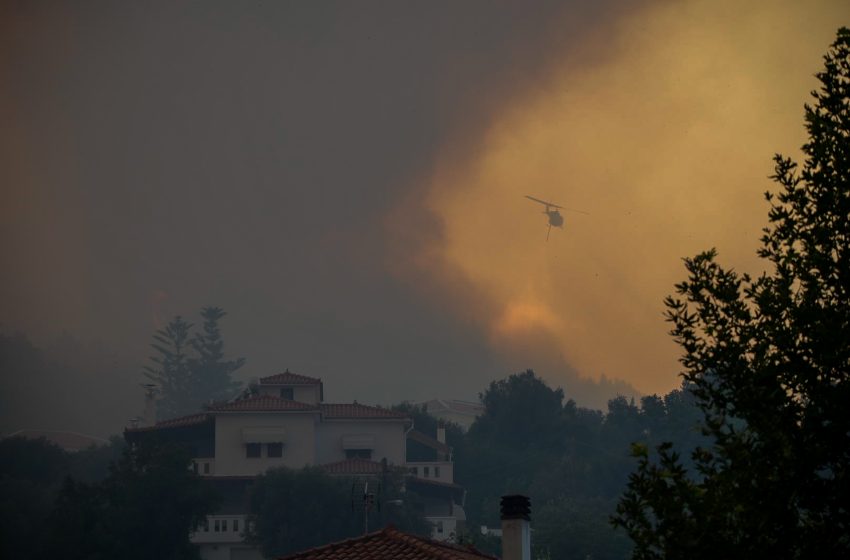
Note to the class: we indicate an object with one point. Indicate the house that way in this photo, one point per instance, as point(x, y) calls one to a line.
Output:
point(431, 467)
point(391, 544)
point(284, 422)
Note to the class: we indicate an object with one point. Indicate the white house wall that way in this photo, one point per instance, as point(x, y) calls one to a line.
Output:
point(299, 447)
point(388, 437)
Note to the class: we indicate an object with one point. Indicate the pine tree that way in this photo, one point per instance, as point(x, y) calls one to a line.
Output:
point(170, 370)
point(211, 373)
point(189, 369)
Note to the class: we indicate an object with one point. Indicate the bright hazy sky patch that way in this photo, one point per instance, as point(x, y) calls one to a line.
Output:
point(666, 142)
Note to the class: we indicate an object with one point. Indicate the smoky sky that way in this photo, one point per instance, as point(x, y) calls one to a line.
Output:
point(273, 158)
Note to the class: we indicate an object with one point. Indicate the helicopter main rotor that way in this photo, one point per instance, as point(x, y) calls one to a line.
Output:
point(543, 202)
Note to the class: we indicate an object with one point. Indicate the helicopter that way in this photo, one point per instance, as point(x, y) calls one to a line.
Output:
point(555, 217)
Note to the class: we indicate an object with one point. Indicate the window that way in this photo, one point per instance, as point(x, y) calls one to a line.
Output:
point(217, 526)
point(358, 453)
point(224, 525)
point(440, 527)
point(414, 471)
point(436, 472)
point(274, 450)
point(252, 450)
point(426, 471)
point(287, 393)
point(205, 525)
point(235, 525)
point(206, 468)
point(195, 467)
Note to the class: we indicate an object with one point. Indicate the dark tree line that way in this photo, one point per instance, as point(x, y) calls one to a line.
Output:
point(104, 502)
point(573, 462)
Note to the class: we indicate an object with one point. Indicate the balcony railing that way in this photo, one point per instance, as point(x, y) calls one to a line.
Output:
point(438, 471)
point(203, 466)
point(220, 529)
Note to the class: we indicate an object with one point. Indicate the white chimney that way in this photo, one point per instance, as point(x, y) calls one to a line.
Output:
point(441, 432)
point(516, 530)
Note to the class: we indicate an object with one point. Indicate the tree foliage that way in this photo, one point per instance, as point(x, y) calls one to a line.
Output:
point(293, 510)
point(190, 369)
point(101, 502)
point(30, 474)
point(145, 508)
point(573, 462)
point(769, 362)
point(211, 372)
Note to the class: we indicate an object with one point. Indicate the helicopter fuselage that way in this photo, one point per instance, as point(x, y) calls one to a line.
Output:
point(555, 218)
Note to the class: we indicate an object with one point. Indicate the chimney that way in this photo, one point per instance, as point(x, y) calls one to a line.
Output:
point(516, 531)
point(441, 432)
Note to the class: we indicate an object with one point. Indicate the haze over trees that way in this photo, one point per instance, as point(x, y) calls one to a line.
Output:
point(190, 370)
point(65, 383)
point(769, 361)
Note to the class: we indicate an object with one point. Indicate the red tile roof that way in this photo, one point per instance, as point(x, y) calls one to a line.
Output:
point(354, 466)
point(356, 410)
point(289, 378)
point(179, 422)
point(390, 544)
point(264, 403)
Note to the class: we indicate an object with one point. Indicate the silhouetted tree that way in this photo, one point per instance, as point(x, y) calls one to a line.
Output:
point(293, 510)
point(145, 508)
point(31, 472)
point(769, 362)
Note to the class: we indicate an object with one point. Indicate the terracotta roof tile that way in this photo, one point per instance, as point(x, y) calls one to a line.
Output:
point(263, 403)
point(354, 466)
point(390, 544)
point(179, 422)
point(356, 410)
point(289, 378)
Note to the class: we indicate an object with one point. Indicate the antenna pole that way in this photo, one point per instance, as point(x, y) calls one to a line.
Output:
point(368, 503)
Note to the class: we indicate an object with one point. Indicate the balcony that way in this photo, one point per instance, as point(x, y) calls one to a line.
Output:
point(203, 466)
point(443, 528)
point(220, 529)
point(437, 471)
